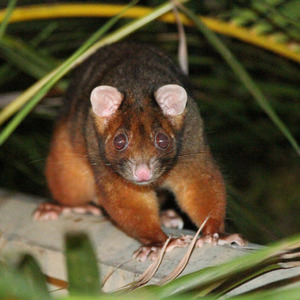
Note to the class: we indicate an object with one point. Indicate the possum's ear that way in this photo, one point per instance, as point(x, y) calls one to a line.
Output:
point(105, 100)
point(172, 99)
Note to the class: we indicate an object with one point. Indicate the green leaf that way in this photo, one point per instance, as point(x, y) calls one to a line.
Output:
point(36, 281)
point(82, 266)
point(19, 285)
point(275, 294)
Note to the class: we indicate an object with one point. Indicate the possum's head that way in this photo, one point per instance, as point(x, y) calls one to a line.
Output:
point(140, 138)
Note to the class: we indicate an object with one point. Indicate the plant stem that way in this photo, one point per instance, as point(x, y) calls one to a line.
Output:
point(10, 7)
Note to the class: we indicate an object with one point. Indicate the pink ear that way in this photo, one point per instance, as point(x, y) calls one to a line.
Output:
point(172, 99)
point(105, 100)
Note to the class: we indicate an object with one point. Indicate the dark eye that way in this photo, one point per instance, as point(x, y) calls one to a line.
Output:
point(120, 141)
point(162, 140)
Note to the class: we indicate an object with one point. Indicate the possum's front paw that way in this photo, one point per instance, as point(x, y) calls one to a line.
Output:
point(221, 239)
point(51, 211)
point(171, 219)
point(152, 252)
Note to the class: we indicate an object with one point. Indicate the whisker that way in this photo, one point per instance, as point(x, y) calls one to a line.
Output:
point(192, 154)
point(86, 172)
point(37, 160)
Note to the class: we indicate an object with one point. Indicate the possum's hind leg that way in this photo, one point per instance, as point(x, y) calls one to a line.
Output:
point(70, 179)
point(171, 219)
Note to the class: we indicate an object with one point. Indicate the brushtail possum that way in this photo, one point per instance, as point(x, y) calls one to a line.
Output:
point(129, 127)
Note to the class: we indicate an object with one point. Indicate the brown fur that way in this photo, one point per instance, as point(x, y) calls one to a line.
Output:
point(83, 165)
point(68, 172)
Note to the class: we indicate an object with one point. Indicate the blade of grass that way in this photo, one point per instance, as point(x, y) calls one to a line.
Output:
point(82, 266)
point(42, 86)
point(44, 34)
point(244, 279)
point(275, 294)
point(7, 71)
point(211, 275)
point(242, 74)
point(182, 46)
point(9, 10)
point(36, 280)
point(16, 52)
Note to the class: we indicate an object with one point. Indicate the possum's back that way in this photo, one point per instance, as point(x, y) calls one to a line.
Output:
point(130, 67)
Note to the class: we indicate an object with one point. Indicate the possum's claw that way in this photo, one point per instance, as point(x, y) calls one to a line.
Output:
point(51, 211)
point(152, 252)
point(221, 239)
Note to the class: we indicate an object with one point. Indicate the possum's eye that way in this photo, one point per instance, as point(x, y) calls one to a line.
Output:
point(162, 141)
point(120, 141)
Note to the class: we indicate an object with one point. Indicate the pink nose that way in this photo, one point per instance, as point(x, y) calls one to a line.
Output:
point(142, 173)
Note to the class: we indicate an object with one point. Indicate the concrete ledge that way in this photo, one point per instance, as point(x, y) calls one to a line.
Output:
point(19, 234)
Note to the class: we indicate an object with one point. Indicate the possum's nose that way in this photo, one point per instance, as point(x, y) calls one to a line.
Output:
point(142, 173)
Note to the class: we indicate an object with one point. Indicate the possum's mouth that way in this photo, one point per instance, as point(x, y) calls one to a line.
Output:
point(144, 172)
point(144, 182)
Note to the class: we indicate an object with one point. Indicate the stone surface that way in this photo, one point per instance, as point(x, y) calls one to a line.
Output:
point(44, 239)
